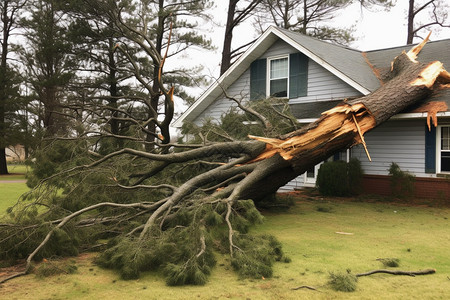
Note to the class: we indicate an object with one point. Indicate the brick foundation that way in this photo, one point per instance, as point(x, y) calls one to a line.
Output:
point(427, 188)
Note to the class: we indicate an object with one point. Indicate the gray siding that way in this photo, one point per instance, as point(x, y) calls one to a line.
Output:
point(324, 86)
point(279, 48)
point(240, 89)
point(400, 141)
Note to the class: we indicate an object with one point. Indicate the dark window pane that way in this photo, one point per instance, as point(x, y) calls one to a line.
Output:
point(310, 173)
point(445, 161)
point(445, 138)
point(278, 87)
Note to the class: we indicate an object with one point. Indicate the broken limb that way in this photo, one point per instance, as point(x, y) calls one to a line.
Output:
point(305, 287)
point(398, 272)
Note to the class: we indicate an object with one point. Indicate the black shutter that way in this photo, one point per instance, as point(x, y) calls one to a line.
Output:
point(258, 79)
point(298, 75)
point(430, 150)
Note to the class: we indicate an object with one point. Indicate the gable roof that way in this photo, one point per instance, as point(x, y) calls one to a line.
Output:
point(338, 64)
point(346, 63)
point(350, 65)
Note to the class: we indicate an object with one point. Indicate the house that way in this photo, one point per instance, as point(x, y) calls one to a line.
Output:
point(315, 75)
point(15, 153)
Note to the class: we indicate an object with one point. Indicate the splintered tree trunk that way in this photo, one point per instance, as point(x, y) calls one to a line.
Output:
point(343, 126)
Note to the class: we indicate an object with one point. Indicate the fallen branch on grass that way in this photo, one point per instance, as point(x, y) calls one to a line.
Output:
point(408, 273)
point(305, 287)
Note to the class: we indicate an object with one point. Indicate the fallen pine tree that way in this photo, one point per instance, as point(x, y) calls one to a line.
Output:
point(129, 197)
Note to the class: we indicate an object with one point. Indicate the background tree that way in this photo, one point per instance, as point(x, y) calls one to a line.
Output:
point(236, 15)
point(103, 89)
point(48, 63)
point(10, 11)
point(311, 17)
point(437, 17)
point(170, 28)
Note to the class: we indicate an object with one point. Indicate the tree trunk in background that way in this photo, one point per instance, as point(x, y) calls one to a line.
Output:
point(3, 86)
point(410, 24)
point(226, 51)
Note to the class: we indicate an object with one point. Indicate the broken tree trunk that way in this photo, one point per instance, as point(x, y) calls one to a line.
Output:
point(344, 126)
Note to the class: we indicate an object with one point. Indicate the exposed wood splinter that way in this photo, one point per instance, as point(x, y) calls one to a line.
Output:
point(412, 54)
point(432, 108)
point(361, 137)
point(429, 75)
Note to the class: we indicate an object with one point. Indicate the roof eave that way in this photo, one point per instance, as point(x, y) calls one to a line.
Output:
point(402, 116)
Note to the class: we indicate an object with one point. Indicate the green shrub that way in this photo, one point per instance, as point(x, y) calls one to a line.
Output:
point(324, 209)
point(338, 178)
point(355, 174)
point(344, 282)
point(390, 262)
point(402, 182)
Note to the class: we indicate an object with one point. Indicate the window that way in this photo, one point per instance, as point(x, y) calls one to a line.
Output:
point(282, 76)
point(443, 149)
point(278, 77)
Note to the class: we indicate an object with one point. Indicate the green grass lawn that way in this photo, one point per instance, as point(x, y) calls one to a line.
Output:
point(10, 193)
point(16, 172)
point(12, 186)
point(418, 236)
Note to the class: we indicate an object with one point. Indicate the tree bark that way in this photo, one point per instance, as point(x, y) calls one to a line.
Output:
point(410, 34)
point(6, 27)
point(228, 37)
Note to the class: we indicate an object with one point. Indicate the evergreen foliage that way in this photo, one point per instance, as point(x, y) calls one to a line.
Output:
point(185, 251)
point(19, 241)
point(51, 268)
point(402, 182)
point(125, 105)
point(344, 282)
point(338, 178)
point(256, 255)
point(238, 125)
point(390, 262)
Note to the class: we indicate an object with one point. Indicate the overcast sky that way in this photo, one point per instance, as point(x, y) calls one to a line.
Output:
point(374, 30)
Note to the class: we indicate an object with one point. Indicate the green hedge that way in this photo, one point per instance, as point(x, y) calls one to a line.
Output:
point(338, 178)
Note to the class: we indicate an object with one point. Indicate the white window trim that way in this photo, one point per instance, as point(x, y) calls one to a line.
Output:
point(269, 59)
point(438, 149)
